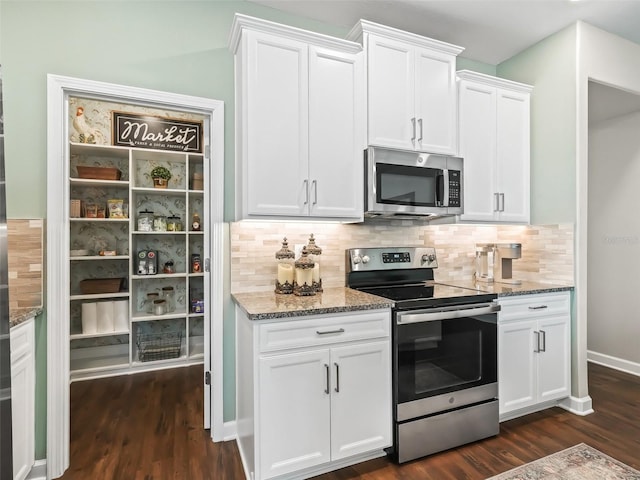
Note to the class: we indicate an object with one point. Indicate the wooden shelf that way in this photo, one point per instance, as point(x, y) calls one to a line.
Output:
point(78, 336)
point(98, 296)
point(90, 182)
point(99, 257)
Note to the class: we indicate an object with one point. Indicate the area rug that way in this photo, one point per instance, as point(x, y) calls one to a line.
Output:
point(581, 462)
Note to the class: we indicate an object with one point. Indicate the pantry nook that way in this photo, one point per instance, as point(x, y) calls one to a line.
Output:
point(136, 286)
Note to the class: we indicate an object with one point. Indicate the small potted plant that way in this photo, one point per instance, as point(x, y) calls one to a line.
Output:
point(161, 177)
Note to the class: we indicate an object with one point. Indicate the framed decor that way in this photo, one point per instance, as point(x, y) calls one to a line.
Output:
point(159, 133)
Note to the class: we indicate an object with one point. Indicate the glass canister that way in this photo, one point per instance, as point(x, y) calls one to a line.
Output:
point(159, 223)
point(314, 254)
point(159, 306)
point(303, 282)
point(169, 295)
point(145, 221)
point(285, 269)
point(148, 303)
point(174, 224)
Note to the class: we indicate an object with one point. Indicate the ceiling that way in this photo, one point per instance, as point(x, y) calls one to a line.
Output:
point(490, 30)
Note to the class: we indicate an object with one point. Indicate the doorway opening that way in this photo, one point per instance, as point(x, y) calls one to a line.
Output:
point(75, 256)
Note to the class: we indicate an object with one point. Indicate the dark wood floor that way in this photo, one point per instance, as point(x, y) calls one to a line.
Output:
point(149, 427)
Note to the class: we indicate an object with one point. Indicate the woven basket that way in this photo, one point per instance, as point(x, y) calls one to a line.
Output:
point(101, 285)
point(99, 173)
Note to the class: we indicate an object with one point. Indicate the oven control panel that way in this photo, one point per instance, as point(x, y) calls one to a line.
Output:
point(388, 258)
point(398, 257)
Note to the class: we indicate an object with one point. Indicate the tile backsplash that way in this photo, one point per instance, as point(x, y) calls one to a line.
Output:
point(547, 250)
point(25, 258)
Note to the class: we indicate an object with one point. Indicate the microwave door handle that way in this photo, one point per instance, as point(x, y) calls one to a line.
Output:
point(442, 189)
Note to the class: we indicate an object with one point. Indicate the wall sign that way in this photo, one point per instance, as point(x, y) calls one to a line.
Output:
point(160, 133)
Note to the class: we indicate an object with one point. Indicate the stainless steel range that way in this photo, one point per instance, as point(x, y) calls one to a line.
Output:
point(444, 350)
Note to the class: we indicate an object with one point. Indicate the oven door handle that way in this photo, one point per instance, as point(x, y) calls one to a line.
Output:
point(447, 313)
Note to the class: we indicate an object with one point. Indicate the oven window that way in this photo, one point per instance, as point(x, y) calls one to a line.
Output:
point(444, 356)
point(402, 185)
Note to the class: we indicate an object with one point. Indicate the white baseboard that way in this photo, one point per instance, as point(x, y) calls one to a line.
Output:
point(230, 431)
point(38, 471)
point(613, 362)
point(579, 406)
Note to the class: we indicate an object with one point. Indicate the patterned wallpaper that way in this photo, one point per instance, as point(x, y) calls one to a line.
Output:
point(97, 115)
point(547, 251)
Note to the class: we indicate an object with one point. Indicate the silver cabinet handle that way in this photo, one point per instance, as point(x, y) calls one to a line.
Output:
point(314, 186)
point(544, 341)
point(337, 378)
point(502, 198)
point(306, 186)
point(326, 369)
point(538, 307)
point(537, 334)
point(420, 123)
point(327, 332)
point(413, 123)
point(496, 202)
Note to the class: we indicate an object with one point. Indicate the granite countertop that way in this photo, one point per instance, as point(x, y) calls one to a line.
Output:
point(21, 315)
point(507, 290)
point(268, 305)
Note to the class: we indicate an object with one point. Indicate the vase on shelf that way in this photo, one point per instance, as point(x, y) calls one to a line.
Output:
point(160, 183)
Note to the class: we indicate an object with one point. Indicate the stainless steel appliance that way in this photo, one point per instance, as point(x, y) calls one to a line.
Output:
point(494, 262)
point(6, 446)
point(409, 184)
point(444, 350)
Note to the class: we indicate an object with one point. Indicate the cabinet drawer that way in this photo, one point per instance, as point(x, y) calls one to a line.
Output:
point(534, 306)
point(324, 329)
point(22, 339)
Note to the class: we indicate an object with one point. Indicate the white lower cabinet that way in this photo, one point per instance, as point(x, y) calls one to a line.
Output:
point(534, 351)
point(314, 393)
point(23, 398)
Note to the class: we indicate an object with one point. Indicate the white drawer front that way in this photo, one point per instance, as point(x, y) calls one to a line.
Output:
point(22, 339)
point(324, 329)
point(534, 306)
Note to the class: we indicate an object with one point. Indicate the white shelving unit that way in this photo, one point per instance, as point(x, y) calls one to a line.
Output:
point(105, 353)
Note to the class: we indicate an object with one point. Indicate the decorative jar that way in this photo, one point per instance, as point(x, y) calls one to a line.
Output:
point(285, 269)
point(303, 282)
point(314, 254)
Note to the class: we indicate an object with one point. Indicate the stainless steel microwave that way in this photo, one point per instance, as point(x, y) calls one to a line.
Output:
point(409, 184)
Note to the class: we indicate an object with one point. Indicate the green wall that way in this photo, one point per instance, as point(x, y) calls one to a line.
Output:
point(175, 46)
point(550, 66)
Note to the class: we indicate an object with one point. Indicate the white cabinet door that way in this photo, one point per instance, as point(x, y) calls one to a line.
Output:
point(360, 399)
point(554, 362)
point(512, 155)
point(435, 99)
point(391, 75)
point(276, 124)
point(336, 137)
point(516, 365)
point(23, 398)
point(494, 143)
point(294, 412)
point(478, 149)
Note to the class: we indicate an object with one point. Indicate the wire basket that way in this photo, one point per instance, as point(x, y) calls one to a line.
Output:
point(158, 346)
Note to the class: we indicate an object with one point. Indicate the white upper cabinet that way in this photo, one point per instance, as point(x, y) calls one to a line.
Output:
point(299, 123)
point(494, 129)
point(411, 89)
